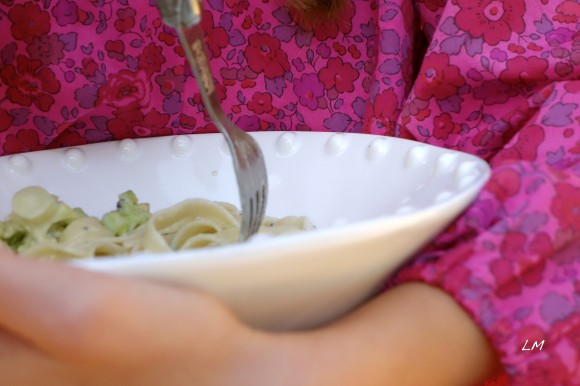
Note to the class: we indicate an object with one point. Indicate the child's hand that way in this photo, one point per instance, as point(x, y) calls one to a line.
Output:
point(64, 326)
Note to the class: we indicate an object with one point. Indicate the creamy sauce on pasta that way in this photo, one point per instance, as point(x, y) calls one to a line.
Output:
point(42, 226)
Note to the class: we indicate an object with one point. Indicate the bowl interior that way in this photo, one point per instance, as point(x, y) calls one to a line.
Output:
point(334, 179)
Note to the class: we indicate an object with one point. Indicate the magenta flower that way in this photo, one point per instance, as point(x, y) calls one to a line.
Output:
point(170, 82)
point(46, 48)
point(65, 12)
point(309, 88)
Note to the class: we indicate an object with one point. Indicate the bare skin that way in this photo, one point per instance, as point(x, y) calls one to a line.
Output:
point(64, 326)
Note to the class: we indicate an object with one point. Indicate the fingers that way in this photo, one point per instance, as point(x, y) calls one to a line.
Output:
point(22, 364)
point(93, 319)
point(48, 304)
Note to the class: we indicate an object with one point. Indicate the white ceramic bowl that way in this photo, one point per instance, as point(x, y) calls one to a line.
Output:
point(375, 201)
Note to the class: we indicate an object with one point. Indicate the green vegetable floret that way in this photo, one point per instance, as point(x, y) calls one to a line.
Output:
point(14, 235)
point(130, 214)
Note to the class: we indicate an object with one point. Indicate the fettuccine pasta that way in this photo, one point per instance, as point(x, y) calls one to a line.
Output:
point(42, 226)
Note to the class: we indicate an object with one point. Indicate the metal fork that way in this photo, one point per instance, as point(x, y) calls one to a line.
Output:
point(249, 166)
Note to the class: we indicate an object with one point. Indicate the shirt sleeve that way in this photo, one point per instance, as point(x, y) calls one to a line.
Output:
point(510, 93)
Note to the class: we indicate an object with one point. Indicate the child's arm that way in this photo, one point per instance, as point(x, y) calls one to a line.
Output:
point(65, 326)
point(411, 335)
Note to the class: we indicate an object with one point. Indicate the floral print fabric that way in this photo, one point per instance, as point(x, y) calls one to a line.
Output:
point(496, 78)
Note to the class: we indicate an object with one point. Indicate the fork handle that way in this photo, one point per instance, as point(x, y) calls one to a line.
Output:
point(194, 45)
point(176, 12)
point(191, 39)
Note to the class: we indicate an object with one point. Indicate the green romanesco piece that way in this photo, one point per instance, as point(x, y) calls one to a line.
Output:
point(14, 235)
point(130, 214)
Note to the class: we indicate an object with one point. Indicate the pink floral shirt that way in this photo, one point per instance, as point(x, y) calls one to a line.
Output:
point(495, 78)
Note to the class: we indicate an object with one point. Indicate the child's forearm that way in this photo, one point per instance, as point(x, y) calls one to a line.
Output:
point(74, 327)
point(412, 335)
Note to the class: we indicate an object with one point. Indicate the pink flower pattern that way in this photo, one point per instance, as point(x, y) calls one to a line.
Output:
point(493, 20)
point(496, 78)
